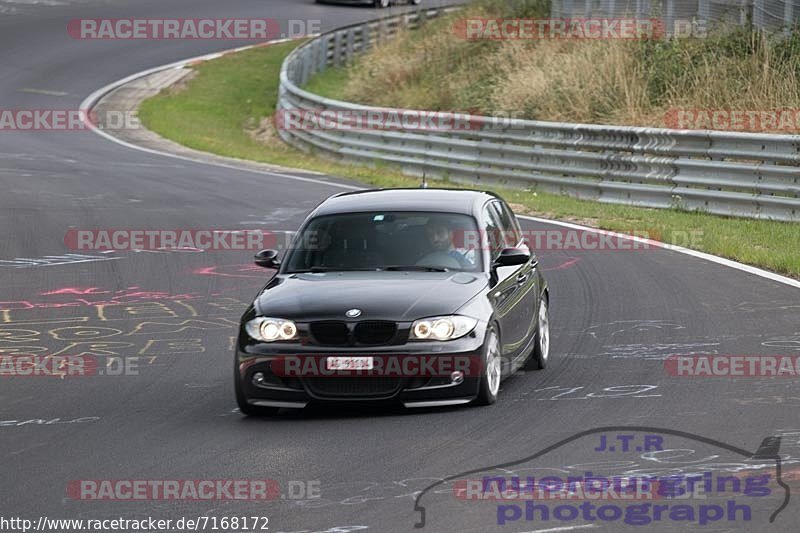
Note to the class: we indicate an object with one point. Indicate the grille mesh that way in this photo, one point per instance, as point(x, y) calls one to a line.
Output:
point(330, 333)
point(367, 333)
point(353, 386)
point(375, 332)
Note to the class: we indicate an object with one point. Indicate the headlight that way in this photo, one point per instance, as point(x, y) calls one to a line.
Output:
point(271, 329)
point(442, 328)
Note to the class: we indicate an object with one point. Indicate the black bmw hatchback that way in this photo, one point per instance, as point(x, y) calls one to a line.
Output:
point(425, 297)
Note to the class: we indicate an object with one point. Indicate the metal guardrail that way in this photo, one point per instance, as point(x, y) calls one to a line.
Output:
point(739, 174)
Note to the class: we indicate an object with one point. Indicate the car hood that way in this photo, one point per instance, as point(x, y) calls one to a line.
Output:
point(397, 296)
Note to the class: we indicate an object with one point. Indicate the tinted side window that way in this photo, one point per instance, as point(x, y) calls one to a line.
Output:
point(494, 231)
point(508, 224)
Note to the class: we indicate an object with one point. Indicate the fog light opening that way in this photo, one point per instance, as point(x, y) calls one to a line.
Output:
point(457, 377)
point(258, 379)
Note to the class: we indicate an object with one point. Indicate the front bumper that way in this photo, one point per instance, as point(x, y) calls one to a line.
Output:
point(258, 367)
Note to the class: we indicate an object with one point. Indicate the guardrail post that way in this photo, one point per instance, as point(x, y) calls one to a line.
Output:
point(645, 8)
point(322, 55)
point(366, 38)
point(788, 17)
point(669, 18)
point(383, 31)
point(746, 13)
point(349, 44)
point(704, 12)
point(759, 20)
point(422, 17)
point(306, 74)
point(337, 49)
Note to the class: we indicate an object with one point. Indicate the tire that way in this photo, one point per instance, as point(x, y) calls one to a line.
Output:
point(245, 408)
point(541, 349)
point(492, 369)
point(381, 4)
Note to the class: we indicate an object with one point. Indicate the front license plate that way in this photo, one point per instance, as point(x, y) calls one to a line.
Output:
point(349, 363)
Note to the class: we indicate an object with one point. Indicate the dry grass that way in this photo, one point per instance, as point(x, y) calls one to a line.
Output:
point(616, 82)
point(559, 80)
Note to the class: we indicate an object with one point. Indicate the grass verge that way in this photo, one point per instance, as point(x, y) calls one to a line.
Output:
point(227, 107)
point(638, 82)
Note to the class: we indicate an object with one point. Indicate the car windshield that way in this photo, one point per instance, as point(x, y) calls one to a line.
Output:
point(393, 241)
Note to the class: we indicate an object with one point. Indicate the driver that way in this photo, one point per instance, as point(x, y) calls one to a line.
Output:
point(440, 238)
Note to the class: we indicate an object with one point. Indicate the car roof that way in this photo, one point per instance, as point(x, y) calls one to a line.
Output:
point(434, 200)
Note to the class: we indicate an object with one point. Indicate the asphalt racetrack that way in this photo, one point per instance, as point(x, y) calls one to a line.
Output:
point(616, 317)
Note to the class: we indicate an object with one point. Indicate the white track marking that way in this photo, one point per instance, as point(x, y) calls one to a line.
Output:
point(93, 98)
point(675, 248)
point(43, 91)
point(565, 528)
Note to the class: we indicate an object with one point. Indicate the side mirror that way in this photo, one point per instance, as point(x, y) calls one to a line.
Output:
point(512, 257)
point(267, 259)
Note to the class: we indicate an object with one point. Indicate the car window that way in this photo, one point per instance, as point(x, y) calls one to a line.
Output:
point(494, 231)
point(387, 239)
point(508, 224)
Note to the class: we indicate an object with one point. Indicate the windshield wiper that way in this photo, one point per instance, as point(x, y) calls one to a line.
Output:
point(318, 269)
point(416, 268)
point(391, 268)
